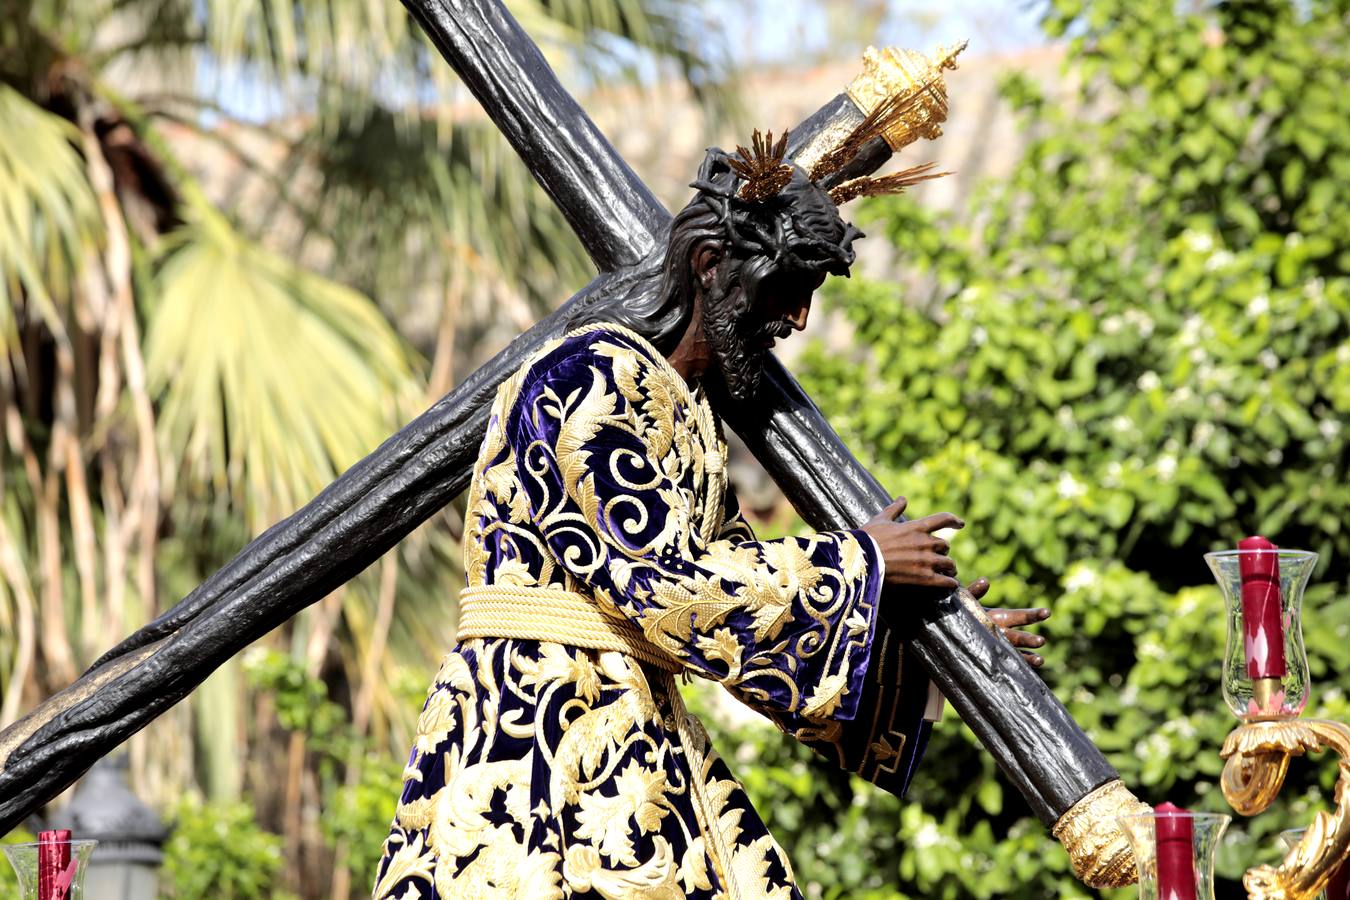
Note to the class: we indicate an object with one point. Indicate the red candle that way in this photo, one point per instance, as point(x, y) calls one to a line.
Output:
point(54, 868)
point(1264, 632)
point(1176, 854)
point(1338, 888)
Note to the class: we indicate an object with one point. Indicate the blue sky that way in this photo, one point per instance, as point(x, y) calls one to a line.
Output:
point(781, 33)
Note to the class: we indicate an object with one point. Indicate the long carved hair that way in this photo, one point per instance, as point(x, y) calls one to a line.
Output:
point(657, 303)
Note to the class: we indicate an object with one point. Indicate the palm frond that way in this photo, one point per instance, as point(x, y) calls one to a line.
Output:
point(311, 51)
point(599, 39)
point(411, 210)
point(271, 379)
point(48, 213)
point(337, 57)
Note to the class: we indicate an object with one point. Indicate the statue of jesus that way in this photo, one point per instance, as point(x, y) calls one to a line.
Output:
point(605, 555)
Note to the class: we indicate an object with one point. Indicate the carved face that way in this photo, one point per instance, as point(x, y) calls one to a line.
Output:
point(769, 258)
point(748, 306)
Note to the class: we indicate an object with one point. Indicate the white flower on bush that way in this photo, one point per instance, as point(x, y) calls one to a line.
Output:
point(1192, 327)
point(1155, 745)
point(1198, 241)
point(928, 835)
point(1183, 727)
point(1268, 359)
point(1259, 305)
point(1142, 321)
point(1329, 428)
point(1149, 381)
point(1166, 467)
point(1080, 578)
point(1070, 488)
point(1152, 648)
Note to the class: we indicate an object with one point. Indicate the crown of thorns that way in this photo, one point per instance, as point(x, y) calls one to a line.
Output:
point(772, 207)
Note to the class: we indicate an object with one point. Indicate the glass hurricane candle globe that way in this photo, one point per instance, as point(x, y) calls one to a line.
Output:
point(1206, 830)
point(24, 859)
point(1265, 668)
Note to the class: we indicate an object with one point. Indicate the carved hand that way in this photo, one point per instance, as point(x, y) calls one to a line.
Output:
point(912, 553)
point(1009, 620)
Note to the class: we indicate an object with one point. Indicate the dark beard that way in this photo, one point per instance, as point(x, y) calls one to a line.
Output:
point(739, 338)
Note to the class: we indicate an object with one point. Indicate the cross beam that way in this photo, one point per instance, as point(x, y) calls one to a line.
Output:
point(424, 466)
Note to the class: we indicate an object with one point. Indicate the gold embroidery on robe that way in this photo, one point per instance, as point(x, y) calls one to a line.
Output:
point(541, 770)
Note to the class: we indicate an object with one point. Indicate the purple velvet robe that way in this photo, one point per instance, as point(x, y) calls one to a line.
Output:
point(542, 770)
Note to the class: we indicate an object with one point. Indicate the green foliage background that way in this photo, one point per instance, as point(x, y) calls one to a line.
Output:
point(1134, 352)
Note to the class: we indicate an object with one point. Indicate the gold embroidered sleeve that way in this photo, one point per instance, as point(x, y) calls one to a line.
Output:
point(615, 463)
point(885, 740)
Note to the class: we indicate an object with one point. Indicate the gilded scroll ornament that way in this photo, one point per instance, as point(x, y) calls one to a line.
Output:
point(1258, 755)
point(1091, 833)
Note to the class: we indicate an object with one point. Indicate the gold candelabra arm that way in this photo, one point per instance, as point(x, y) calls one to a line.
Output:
point(1257, 756)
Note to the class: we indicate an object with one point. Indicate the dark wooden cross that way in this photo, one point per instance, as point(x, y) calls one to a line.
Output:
point(416, 472)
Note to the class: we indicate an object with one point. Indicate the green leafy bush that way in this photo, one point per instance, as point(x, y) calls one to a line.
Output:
point(357, 817)
point(217, 850)
point(1135, 351)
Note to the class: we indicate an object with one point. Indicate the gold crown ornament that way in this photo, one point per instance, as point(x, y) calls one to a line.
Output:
point(789, 209)
point(903, 96)
point(892, 72)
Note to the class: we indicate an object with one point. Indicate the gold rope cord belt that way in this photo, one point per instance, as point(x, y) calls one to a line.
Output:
point(556, 616)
